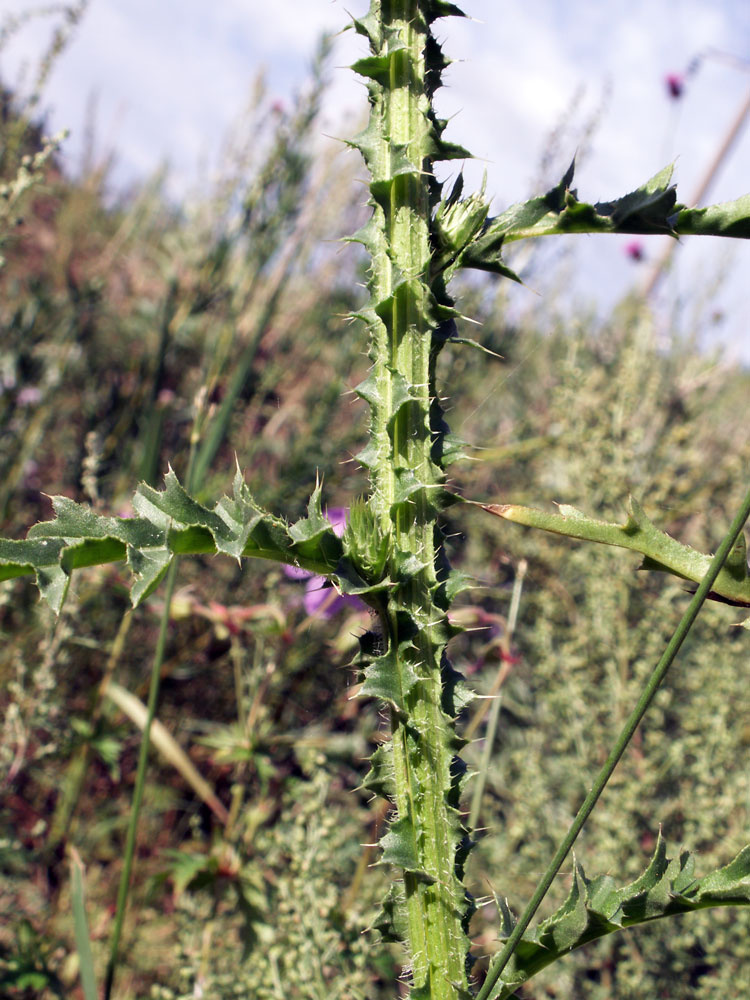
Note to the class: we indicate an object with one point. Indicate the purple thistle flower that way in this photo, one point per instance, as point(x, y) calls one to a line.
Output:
point(296, 572)
point(321, 598)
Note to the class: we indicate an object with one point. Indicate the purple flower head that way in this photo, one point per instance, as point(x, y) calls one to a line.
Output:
point(29, 395)
point(296, 572)
point(323, 600)
point(634, 250)
point(675, 84)
point(320, 596)
point(338, 516)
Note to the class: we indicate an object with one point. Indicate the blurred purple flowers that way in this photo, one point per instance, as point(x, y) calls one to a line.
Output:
point(675, 84)
point(634, 250)
point(320, 597)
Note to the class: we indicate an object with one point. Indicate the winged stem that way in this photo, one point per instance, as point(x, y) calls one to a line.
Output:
point(408, 319)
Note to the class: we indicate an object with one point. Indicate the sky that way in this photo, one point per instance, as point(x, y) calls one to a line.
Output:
point(168, 80)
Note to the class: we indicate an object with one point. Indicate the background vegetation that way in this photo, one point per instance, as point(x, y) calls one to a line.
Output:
point(134, 332)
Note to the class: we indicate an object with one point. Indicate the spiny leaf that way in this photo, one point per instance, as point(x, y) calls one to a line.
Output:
point(407, 484)
point(389, 677)
point(456, 223)
point(484, 252)
point(380, 778)
point(392, 921)
point(596, 907)
point(370, 27)
point(170, 522)
point(661, 552)
point(728, 218)
point(313, 535)
point(447, 447)
point(650, 209)
point(400, 846)
point(434, 9)
point(367, 542)
point(378, 67)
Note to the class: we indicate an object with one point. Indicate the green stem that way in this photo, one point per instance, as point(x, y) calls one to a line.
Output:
point(140, 781)
point(658, 675)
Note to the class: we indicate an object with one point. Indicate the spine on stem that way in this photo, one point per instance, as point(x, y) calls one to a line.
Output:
point(412, 239)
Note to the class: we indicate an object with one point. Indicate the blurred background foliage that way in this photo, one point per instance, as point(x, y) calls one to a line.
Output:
point(135, 330)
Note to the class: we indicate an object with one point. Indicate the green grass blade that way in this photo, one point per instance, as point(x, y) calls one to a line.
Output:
point(168, 747)
point(81, 929)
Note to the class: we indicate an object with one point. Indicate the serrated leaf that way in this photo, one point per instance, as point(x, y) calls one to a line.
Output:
point(434, 9)
point(170, 522)
point(392, 921)
point(369, 455)
point(661, 552)
point(729, 218)
point(389, 677)
point(650, 209)
point(596, 908)
point(314, 535)
point(728, 884)
point(380, 778)
point(399, 847)
point(571, 919)
point(149, 567)
point(456, 583)
point(456, 695)
point(174, 506)
point(647, 210)
point(448, 448)
point(456, 223)
point(604, 897)
point(370, 27)
point(53, 585)
point(407, 484)
point(369, 236)
point(736, 562)
point(376, 67)
point(370, 390)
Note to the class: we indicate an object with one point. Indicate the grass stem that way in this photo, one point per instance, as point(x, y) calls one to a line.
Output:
point(685, 624)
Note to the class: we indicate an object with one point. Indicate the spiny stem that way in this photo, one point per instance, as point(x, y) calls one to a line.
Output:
point(632, 723)
point(404, 319)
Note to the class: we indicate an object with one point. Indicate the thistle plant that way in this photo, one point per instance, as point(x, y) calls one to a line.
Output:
point(392, 553)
